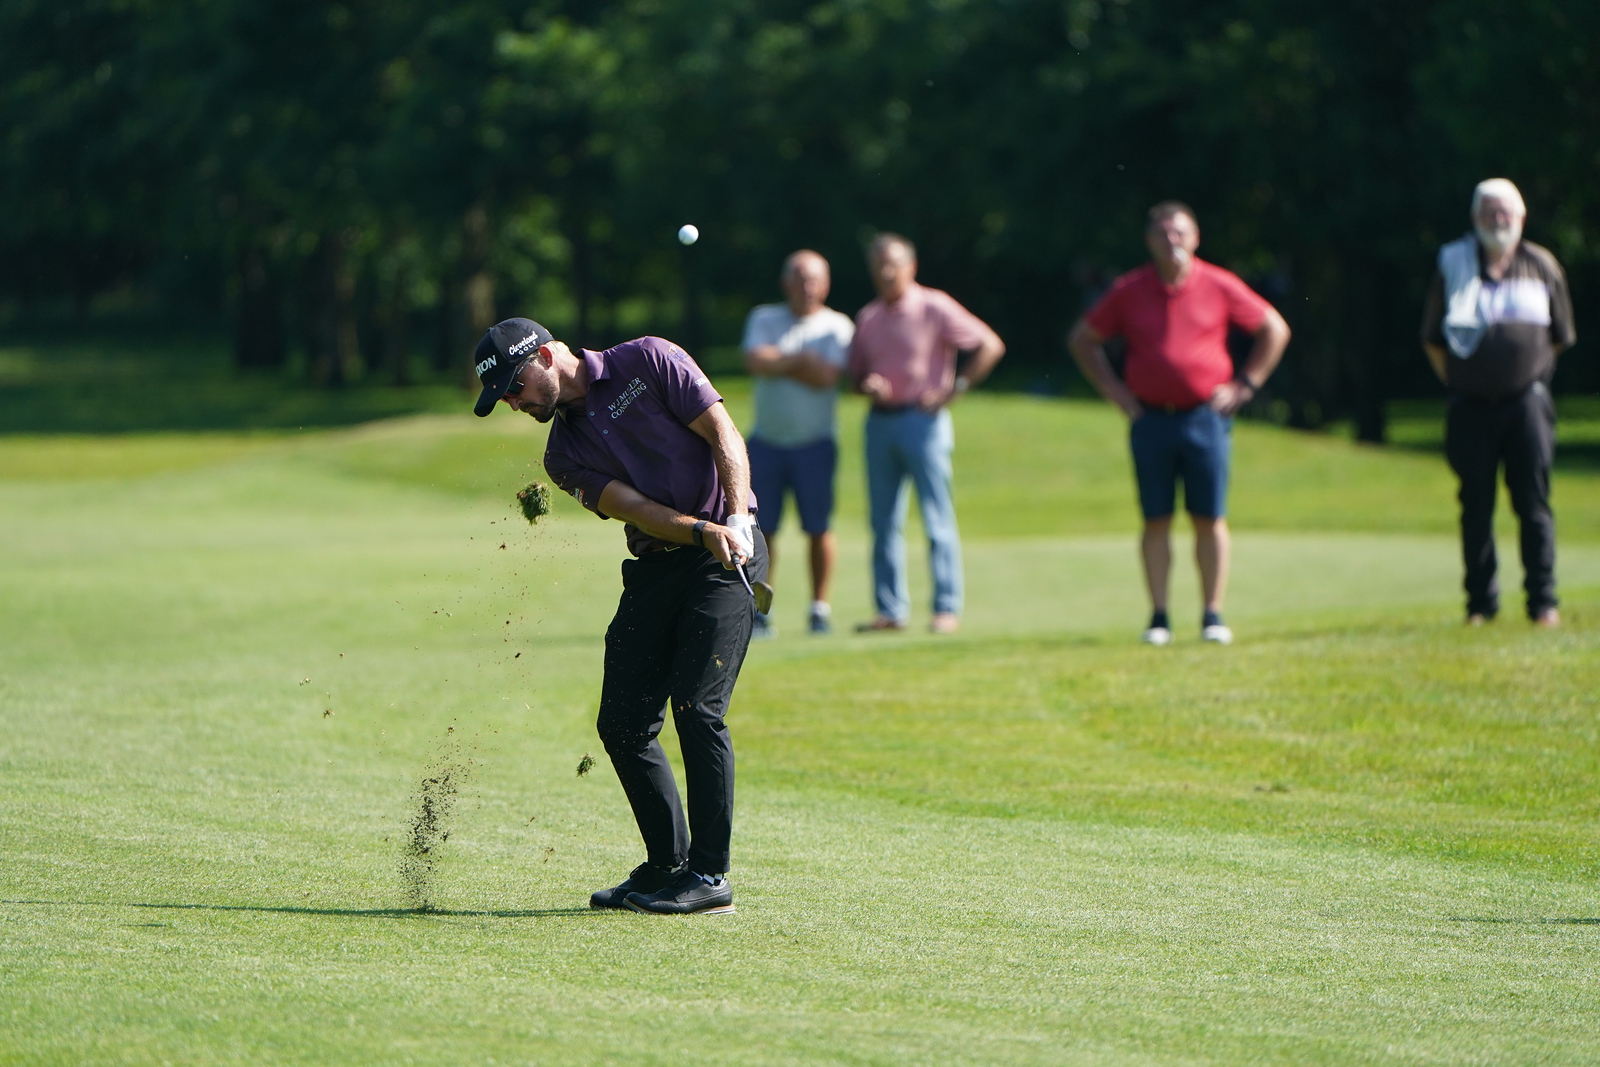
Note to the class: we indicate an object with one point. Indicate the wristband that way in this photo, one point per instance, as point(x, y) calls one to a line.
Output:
point(1248, 384)
point(700, 533)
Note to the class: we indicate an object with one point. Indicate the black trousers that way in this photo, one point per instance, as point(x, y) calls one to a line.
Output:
point(679, 638)
point(1518, 432)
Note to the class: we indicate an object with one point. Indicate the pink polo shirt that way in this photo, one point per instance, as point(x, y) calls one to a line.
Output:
point(913, 342)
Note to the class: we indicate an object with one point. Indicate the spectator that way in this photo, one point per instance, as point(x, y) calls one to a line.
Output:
point(904, 359)
point(1497, 315)
point(1179, 395)
point(795, 351)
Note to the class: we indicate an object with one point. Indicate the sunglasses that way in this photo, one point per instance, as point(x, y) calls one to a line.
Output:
point(515, 388)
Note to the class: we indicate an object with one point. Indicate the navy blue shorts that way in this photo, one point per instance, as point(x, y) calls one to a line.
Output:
point(807, 471)
point(1194, 446)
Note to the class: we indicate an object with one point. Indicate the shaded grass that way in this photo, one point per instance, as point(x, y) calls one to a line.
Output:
point(137, 383)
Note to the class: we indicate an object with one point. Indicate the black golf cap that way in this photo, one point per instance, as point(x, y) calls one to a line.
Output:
point(505, 347)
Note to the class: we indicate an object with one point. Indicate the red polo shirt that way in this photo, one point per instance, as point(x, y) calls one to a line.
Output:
point(1177, 334)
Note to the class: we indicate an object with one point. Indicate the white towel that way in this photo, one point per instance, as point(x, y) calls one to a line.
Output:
point(1464, 322)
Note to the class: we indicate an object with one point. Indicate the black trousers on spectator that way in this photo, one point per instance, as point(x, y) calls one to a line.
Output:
point(1518, 432)
point(679, 638)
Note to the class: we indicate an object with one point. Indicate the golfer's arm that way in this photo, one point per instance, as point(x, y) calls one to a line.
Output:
point(1436, 358)
point(728, 453)
point(1088, 348)
point(1272, 337)
point(622, 501)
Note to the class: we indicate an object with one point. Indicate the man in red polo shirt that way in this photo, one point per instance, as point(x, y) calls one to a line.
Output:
point(1180, 394)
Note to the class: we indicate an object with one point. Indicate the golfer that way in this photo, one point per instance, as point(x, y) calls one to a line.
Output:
point(795, 351)
point(1497, 315)
point(639, 434)
point(1179, 395)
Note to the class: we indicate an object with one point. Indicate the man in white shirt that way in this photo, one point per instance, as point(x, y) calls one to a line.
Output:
point(795, 351)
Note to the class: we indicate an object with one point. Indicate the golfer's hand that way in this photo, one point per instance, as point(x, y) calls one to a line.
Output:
point(877, 387)
point(731, 544)
point(1229, 397)
point(723, 543)
point(744, 532)
point(1130, 407)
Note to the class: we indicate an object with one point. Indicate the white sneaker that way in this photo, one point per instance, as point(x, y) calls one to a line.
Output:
point(1159, 636)
point(1217, 634)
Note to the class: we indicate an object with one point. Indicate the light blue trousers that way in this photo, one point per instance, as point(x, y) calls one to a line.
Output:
point(915, 445)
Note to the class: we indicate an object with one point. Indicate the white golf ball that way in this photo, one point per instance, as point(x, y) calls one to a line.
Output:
point(688, 233)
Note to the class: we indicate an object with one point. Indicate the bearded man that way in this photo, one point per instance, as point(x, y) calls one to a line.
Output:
point(1497, 315)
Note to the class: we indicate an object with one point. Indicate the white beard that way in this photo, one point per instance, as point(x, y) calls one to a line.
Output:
point(1500, 240)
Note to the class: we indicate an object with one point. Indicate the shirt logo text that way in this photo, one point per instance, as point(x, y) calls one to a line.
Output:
point(634, 390)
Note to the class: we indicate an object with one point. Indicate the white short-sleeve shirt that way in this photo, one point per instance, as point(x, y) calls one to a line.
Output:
point(790, 413)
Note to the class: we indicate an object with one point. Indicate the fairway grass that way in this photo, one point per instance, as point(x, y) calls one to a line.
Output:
point(1362, 834)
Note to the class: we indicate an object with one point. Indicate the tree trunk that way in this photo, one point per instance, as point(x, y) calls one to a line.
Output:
point(332, 342)
point(317, 314)
point(393, 334)
point(1364, 354)
point(258, 318)
point(347, 333)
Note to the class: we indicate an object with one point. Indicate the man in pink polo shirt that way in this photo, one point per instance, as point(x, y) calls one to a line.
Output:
point(1180, 394)
point(903, 358)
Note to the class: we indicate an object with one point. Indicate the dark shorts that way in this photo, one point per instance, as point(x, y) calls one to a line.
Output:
point(807, 471)
point(1194, 446)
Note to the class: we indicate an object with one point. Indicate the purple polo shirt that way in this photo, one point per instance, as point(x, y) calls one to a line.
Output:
point(633, 427)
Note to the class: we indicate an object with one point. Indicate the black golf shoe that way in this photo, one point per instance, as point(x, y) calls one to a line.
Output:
point(646, 878)
point(687, 894)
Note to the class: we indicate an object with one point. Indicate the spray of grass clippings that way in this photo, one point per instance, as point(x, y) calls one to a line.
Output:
point(534, 499)
point(430, 829)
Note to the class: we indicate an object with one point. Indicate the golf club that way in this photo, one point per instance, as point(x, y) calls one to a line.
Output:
point(760, 592)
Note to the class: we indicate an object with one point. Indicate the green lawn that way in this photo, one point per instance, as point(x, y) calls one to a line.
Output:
point(1362, 834)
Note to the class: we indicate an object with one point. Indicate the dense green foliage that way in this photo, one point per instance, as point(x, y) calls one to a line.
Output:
point(369, 183)
point(1363, 834)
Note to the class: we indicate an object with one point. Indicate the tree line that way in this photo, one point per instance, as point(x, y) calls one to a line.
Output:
point(373, 182)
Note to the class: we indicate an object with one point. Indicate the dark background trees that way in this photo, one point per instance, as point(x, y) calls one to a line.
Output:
point(357, 189)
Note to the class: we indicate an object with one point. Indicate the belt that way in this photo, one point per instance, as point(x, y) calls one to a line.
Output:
point(1170, 409)
point(892, 409)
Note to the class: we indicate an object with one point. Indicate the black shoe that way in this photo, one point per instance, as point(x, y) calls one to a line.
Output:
point(687, 894)
point(646, 878)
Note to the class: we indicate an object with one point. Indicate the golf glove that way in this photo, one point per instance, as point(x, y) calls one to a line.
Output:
point(744, 532)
